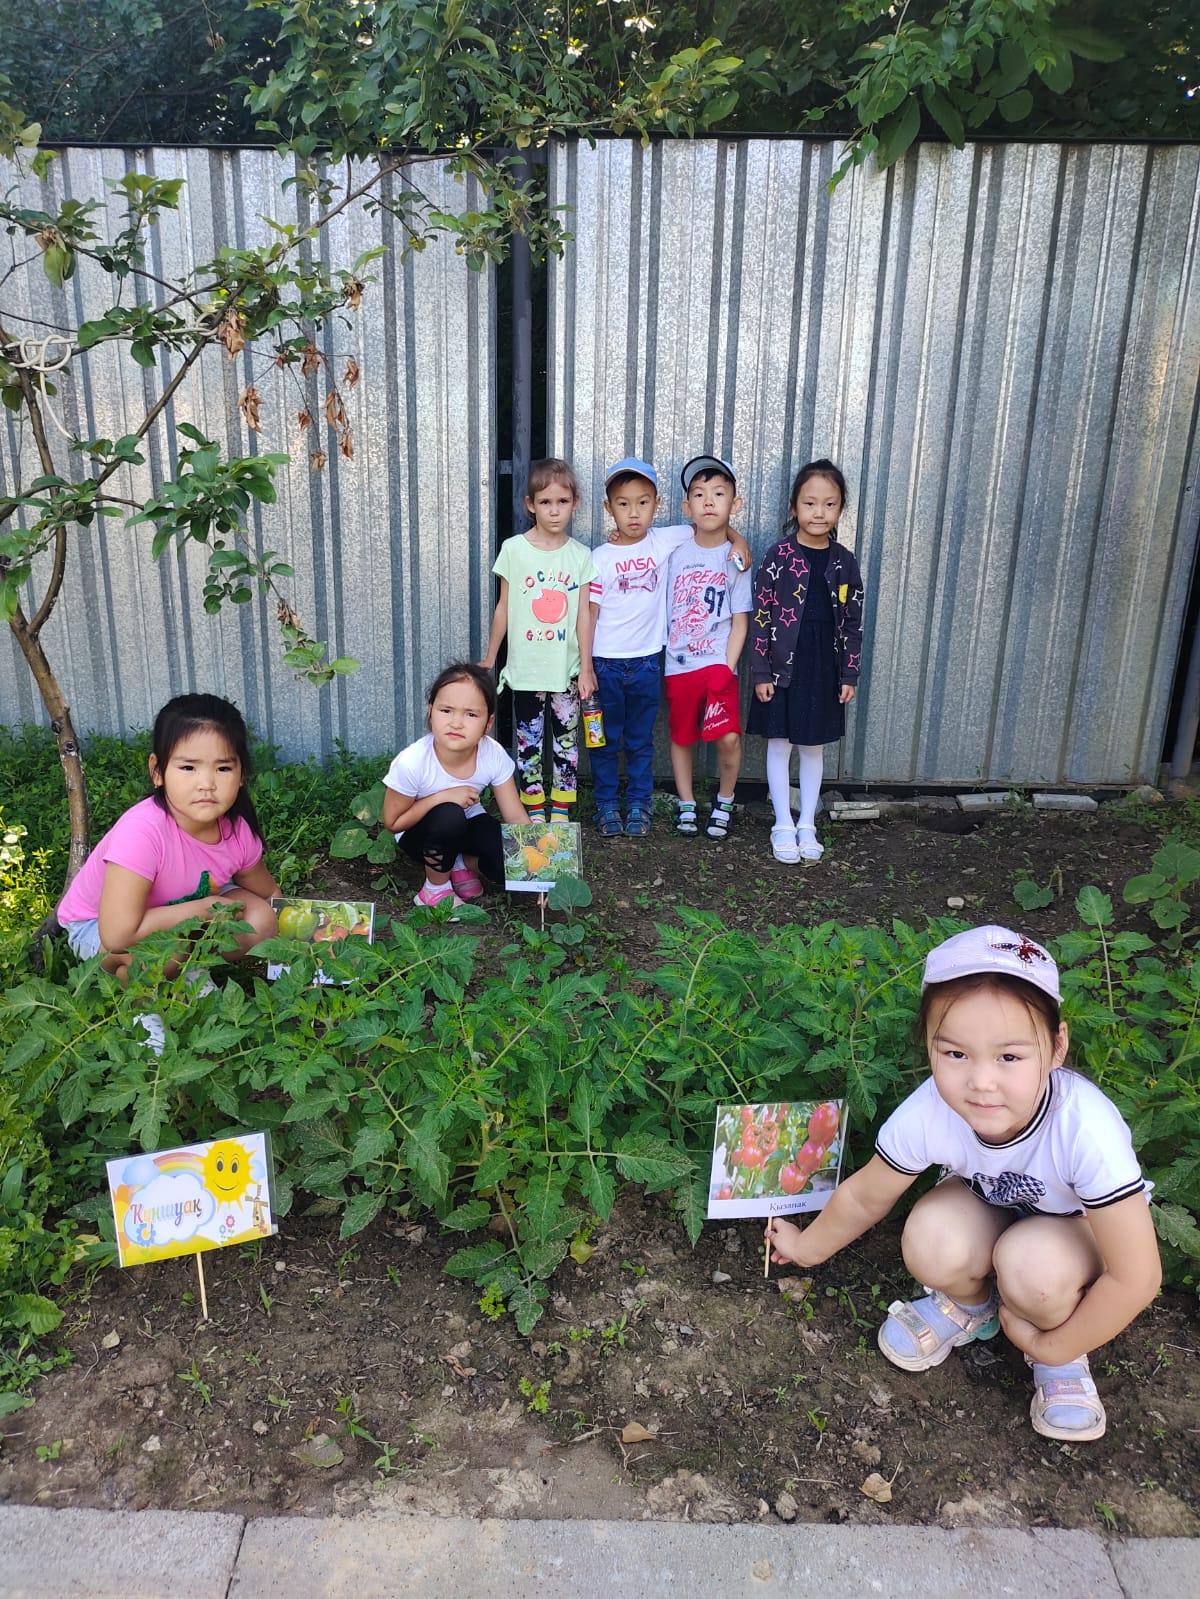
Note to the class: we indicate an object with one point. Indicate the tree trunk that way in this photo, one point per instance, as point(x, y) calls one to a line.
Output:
point(68, 743)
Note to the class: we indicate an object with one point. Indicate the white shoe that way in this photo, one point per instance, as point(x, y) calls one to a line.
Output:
point(156, 1033)
point(784, 846)
point(808, 846)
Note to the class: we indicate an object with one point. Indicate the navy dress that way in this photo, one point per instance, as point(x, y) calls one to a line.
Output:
point(808, 711)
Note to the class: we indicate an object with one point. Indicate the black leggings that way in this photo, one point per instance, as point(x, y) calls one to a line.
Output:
point(447, 831)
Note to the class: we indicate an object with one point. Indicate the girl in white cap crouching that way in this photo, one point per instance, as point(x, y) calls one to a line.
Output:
point(1040, 1224)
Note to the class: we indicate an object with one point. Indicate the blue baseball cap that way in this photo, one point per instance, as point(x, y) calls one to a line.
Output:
point(632, 464)
point(705, 463)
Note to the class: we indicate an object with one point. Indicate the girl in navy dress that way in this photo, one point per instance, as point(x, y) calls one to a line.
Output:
point(805, 651)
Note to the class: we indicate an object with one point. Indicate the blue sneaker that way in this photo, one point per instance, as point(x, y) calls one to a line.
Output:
point(608, 824)
point(637, 823)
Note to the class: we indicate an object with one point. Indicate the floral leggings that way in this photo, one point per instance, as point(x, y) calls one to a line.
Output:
point(529, 714)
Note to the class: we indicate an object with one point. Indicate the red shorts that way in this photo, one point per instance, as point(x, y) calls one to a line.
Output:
point(703, 705)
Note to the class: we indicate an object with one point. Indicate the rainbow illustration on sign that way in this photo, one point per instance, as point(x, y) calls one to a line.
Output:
point(201, 1196)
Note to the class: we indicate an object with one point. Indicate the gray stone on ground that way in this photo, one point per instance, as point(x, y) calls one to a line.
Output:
point(101, 1554)
point(985, 802)
point(1145, 794)
point(1065, 802)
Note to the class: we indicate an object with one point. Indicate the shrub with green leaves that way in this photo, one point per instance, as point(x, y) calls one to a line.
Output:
point(521, 1093)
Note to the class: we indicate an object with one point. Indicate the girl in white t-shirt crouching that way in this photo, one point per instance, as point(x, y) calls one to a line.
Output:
point(1040, 1224)
point(432, 803)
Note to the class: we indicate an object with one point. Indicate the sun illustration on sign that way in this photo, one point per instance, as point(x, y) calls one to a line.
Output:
point(227, 1170)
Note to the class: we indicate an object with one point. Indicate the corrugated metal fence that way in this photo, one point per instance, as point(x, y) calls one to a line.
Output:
point(999, 345)
point(392, 550)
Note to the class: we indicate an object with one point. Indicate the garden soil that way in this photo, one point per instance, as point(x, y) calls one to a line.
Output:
point(663, 1381)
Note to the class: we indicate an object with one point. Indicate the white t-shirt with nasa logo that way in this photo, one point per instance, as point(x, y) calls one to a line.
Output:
point(629, 586)
point(1075, 1154)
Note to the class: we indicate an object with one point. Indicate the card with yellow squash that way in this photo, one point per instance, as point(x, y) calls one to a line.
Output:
point(538, 854)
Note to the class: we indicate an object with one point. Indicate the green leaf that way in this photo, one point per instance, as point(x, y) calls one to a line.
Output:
point(945, 115)
point(465, 1218)
point(897, 132)
point(1176, 1226)
point(1147, 886)
point(569, 893)
point(34, 1311)
point(371, 1143)
point(1058, 74)
point(1094, 907)
point(1031, 896)
point(10, 1403)
point(1016, 107)
point(1089, 43)
point(526, 1305)
point(651, 1161)
point(474, 1261)
point(383, 849)
point(361, 1210)
point(349, 842)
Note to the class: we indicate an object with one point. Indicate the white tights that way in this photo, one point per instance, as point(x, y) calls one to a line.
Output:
point(811, 764)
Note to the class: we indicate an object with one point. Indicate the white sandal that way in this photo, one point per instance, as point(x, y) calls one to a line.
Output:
point(808, 846)
point(784, 846)
point(1065, 1404)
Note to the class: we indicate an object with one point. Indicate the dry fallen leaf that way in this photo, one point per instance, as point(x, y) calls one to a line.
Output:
point(305, 420)
point(288, 618)
point(346, 444)
point(229, 331)
point(457, 1367)
point(634, 1433)
point(351, 374)
point(316, 461)
point(877, 1488)
point(310, 360)
point(250, 406)
point(335, 411)
point(354, 292)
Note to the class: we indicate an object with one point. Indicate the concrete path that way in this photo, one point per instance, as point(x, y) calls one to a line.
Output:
point(151, 1554)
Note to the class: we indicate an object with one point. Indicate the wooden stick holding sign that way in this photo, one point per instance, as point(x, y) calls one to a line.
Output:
point(203, 1291)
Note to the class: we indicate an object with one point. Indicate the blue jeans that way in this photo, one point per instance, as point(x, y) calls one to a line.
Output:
point(629, 694)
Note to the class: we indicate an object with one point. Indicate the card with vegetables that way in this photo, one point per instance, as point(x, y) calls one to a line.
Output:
point(322, 921)
point(774, 1160)
point(537, 854)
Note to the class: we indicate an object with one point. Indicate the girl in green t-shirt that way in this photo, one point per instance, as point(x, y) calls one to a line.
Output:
point(542, 573)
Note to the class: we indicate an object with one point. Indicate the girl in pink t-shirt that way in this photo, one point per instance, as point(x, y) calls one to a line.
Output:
point(192, 844)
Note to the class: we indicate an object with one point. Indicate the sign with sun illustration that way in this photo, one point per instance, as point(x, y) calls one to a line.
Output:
point(182, 1201)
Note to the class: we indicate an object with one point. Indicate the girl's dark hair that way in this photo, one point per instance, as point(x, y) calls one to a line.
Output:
point(551, 470)
point(195, 713)
point(821, 468)
point(1040, 1005)
point(464, 672)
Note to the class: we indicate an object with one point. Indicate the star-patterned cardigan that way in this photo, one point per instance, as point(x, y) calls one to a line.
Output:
point(780, 590)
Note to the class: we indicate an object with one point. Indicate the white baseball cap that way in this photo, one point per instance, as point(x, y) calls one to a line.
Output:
point(992, 949)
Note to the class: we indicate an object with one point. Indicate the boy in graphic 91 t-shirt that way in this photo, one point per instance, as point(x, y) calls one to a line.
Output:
point(708, 606)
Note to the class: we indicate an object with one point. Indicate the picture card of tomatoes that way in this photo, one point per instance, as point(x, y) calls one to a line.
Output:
point(202, 1196)
point(537, 854)
point(773, 1160)
point(321, 921)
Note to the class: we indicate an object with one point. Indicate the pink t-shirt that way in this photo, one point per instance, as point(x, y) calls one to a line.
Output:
point(149, 841)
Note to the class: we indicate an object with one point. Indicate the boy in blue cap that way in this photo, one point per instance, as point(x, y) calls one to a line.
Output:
point(622, 663)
